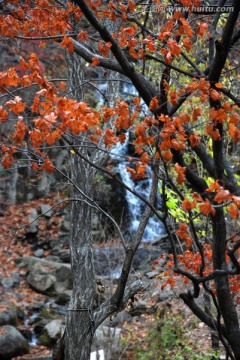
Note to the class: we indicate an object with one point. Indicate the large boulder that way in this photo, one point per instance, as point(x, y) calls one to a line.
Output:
point(41, 280)
point(12, 343)
point(48, 277)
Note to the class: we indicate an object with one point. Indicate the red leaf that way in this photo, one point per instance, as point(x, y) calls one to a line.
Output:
point(222, 196)
point(95, 61)
point(181, 173)
point(47, 165)
point(234, 212)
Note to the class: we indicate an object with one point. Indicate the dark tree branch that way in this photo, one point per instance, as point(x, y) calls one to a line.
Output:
point(202, 315)
point(222, 48)
point(88, 55)
point(235, 38)
point(152, 57)
point(145, 88)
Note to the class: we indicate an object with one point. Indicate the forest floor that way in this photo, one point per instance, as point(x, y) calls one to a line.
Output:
point(168, 332)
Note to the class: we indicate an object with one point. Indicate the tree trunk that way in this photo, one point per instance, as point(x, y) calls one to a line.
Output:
point(79, 325)
point(224, 296)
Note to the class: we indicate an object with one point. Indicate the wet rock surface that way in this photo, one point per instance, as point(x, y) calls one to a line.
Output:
point(12, 343)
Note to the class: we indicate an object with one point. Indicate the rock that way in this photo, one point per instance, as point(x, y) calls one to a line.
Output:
point(13, 281)
point(41, 280)
point(55, 328)
point(45, 316)
point(39, 253)
point(8, 314)
point(64, 255)
point(53, 258)
point(66, 226)
point(162, 295)
point(117, 320)
point(46, 210)
point(38, 358)
point(138, 308)
point(12, 343)
point(33, 227)
point(152, 274)
point(48, 326)
point(16, 278)
point(63, 298)
point(7, 283)
point(48, 277)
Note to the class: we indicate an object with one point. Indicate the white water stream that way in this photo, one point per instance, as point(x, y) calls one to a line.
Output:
point(136, 207)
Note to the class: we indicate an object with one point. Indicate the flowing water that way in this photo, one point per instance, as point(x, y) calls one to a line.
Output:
point(136, 207)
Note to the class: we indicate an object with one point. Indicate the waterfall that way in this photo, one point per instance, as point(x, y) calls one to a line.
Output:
point(155, 229)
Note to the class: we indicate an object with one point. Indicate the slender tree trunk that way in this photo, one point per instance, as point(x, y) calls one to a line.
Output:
point(79, 321)
point(224, 296)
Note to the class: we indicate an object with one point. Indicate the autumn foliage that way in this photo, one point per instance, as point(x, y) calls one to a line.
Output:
point(187, 125)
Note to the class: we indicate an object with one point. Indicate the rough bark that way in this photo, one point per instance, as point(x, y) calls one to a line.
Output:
point(79, 324)
point(224, 296)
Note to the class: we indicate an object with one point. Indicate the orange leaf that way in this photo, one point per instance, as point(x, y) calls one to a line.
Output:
point(215, 95)
point(129, 30)
point(95, 61)
point(196, 112)
point(67, 43)
point(174, 47)
point(234, 132)
point(16, 105)
point(219, 85)
point(132, 42)
point(62, 85)
point(3, 115)
point(222, 196)
point(131, 5)
point(234, 212)
point(133, 53)
point(182, 230)
point(236, 200)
point(52, 137)
point(5, 148)
point(140, 170)
point(202, 29)
point(194, 140)
point(167, 155)
point(188, 205)
point(187, 43)
point(153, 104)
point(82, 36)
point(132, 172)
point(36, 137)
point(145, 157)
point(104, 48)
point(7, 161)
point(35, 166)
point(213, 186)
point(20, 131)
point(203, 85)
point(47, 165)
point(206, 208)
point(181, 173)
point(110, 138)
